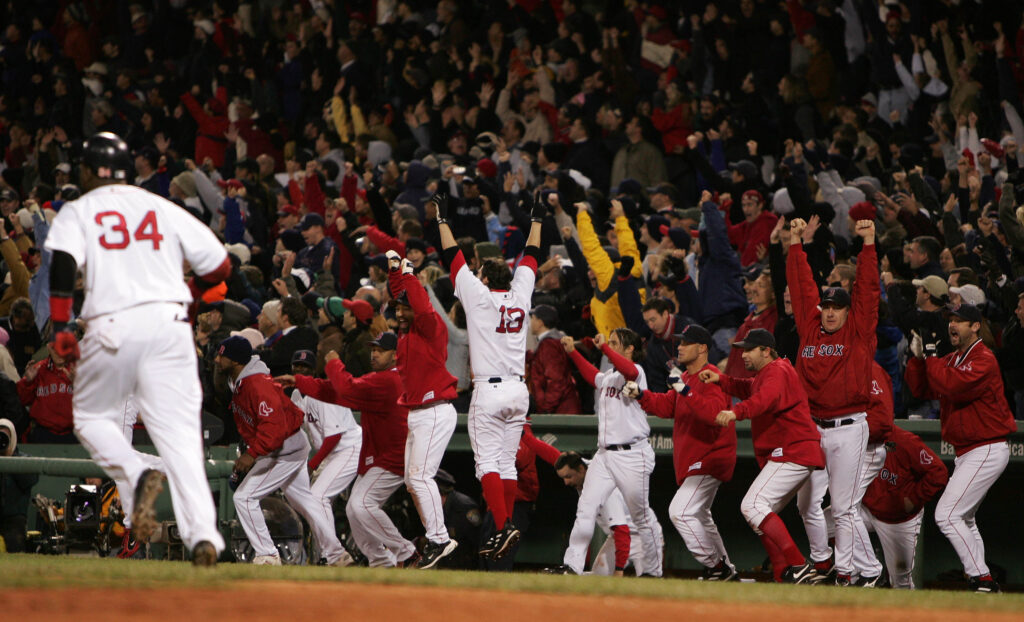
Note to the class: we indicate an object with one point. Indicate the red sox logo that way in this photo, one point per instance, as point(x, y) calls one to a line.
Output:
point(265, 409)
point(876, 389)
point(888, 476)
point(926, 458)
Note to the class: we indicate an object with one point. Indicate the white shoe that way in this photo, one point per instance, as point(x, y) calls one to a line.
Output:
point(343, 560)
point(266, 560)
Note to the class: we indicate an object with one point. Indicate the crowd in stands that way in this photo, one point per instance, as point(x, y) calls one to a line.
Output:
point(310, 135)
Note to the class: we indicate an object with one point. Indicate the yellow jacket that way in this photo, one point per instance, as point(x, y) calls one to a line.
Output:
point(347, 131)
point(604, 306)
point(20, 276)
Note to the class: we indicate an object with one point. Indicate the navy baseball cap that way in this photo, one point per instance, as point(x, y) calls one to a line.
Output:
point(304, 357)
point(385, 341)
point(546, 314)
point(967, 312)
point(756, 338)
point(836, 296)
point(237, 349)
point(694, 333)
point(311, 220)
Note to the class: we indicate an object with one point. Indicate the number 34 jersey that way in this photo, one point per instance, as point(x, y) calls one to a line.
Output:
point(498, 321)
point(130, 245)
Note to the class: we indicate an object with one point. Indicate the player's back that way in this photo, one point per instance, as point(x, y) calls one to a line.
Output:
point(498, 322)
point(130, 245)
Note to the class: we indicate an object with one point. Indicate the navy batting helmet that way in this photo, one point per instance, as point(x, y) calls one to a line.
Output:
point(107, 155)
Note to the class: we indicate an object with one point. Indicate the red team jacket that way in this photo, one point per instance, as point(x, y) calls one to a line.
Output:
point(700, 446)
point(911, 471)
point(780, 427)
point(423, 351)
point(880, 409)
point(48, 397)
point(549, 376)
point(264, 415)
point(375, 396)
point(973, 407)
point(835, 368)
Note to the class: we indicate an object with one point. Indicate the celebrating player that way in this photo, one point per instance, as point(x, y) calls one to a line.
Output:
point(787, 446)
point(271, 426)
point(838, 343)
point(497, 308)
point(131, 246)
point(976, 421)
point(624, 457)
point(428, 392)
point(704, 453)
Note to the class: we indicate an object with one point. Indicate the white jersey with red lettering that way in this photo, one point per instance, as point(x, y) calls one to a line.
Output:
point(323, 420)
point(130, 245)
point(498, 321)
point(620, 420)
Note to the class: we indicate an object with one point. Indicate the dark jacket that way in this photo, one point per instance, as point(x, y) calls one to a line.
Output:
point(720, 289)
point(279, 357)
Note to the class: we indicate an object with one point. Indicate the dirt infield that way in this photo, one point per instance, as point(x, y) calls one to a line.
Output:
point(281, 600)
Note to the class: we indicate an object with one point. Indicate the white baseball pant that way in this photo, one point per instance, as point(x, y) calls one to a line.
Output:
point(147, 350)
point(430, 429)
point(844, 460)
point(374, 533)
point(604, 561)
point(336, 471)
point(864, 559)
point(973, 474)
point(773, 487)
point(284, 469)
point(899, 545)
point(131, 415)
point(497, 413)
point(690, 512)
point(808, 501)
point(629, 471)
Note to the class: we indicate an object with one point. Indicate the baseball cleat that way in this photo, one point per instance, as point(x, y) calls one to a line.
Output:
point(876, 581)
point(722, 572)
point(797, 574)
point(409, 562)
point(343, 560)
point(434, 552)
point(507, 538)
point(204, 555)
point(147, 489)
point(266, 560)
point(563, 569)
point(843, 580)
point(984, 584)
point(824, 573)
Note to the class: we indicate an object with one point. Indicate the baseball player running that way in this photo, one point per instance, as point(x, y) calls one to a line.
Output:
point(382, 455)
point(497, 305)
point(893, 505)
point(624, 457)
point(976, 421)
point(838, 343)
point(271, 426)
point(704, 453)
point(428, 392)
point(131, 246)
point(787, 445)
point(333, 434)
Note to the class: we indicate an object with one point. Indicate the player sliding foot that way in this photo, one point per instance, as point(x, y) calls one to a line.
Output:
point(147, 489)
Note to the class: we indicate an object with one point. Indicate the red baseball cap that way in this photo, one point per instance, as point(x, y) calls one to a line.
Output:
point(289, 210)
point(231, 183)
point(359, 308)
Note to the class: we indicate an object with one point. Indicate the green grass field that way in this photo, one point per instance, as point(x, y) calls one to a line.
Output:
point(49, 572)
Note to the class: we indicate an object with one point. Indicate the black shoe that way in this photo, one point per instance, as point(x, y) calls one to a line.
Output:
point(724, 571)
point(506, 539)
point(648, 576)
point(797, 574)
point(204, 555)
point(562, 569)
point(147, 489)
point(843, 580)
point(878, 581)
point(984, 584)
point(129, 546)
point(824, 573)
point(434, 552)
point(410, 562)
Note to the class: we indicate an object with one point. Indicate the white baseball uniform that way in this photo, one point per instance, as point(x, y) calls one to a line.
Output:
point(374, 533)
point(611, 513)
point(690, 512)
point(130, 416)
point(899, 544)
point(131, 245)
point(338, 468)
point(498, 323)
point(974, 472)
point(808, 502)
point(624, 460)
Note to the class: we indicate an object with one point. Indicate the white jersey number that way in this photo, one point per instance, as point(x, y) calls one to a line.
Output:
point(115, 226)
point(511, 320)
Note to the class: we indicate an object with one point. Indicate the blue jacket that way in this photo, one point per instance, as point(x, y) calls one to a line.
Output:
point(721, 279)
